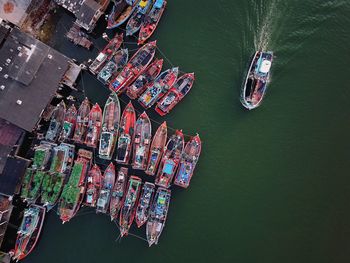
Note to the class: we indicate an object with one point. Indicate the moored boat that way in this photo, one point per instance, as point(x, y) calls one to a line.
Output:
point(170, 160)
point(138, 16)
point(82, 121)
point(93, 186)
point(94, 126)
point(126, 134)
point(176, 93)
point(159, 87)
point(142, 210)
point(121, 12)
point(157, 216)
point(157, 149)
point(70, 119)
point(118, 192)
point(56, 122)
point(257, 79)
point(106, 190)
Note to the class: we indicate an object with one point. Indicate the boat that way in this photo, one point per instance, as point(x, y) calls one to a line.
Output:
point(113, 66)
point(127, 212)
point(126, 134)
point(136, 65)
point(257, 78)
point(121, 12)
point(29, 231)
point(157, 216)
point(141, 83)
point(62, 158)
point(106, 190)
point(82, 121)
point(137, 17)
point(157, 149)
point(188, 162)
point(108, 51)
point(170, 160)
point(159, 87)
point(94, 182)
point(110, 127)
point(118, 193)
point(176, 93)
point(142, 142)
point(74, 191)
point(70, 119)
point(56, 122)
point(142, 210)
point(151, 21)
point(94, 126)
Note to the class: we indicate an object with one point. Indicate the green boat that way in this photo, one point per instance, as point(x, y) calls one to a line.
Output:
point(51, 189)
point(34, 186)
point(28, 177)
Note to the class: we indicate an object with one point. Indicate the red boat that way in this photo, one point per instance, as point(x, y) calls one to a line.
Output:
point(94, 126)
point(106, 190)
point(136, 65)
point(82, 121)
point(94, 181)
point(170, 160)
point(127, 134)
point(176, 93)
point(140, 84)
point(118, 193)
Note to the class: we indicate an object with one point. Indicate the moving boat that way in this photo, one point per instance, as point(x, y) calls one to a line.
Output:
point(113, 66)
point(157, 149)
point(188, 162)
point(69, 124)
point(105, 193)
point(127, 212)
point(94, 182)
point(82, 121)
point(141, 83)
point(122, 10)
point(56, 122)
point(142, 142)
point(157, 216)
point(109, 50)
point(118, 193)
point(142, 210)
point(151, 21)
point(170, 160)
point(110, 126)
point(138, 16)
point(126, 134)
point(94, 126)
point(176, 93)
point(29, 231)
point(74, 191)
point(159, 87)
point(257, 78)
point(136, 65)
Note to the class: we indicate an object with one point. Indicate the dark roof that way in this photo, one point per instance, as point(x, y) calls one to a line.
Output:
point(30, 74)
point(71, 5)
point(3, 33)
point(87, 11)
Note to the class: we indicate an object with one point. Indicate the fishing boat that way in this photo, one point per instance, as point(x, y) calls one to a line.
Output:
point(70, 119)
point(157, 216)
point(136, 65)
point(141, 83)
point(127, 212)
point(110, 127)
point(188, 162)
point(126, 134)
point(94, 182)
point(74, 191)
point(159, 87)
point(137, 17)
point(82, 121)
point(176, 93)
point(142, 210)
point(151, 21)
point(62, 158)
point(257, 79)
point(106, 190)
point(157, 149)
point(109, 50)
point(113, 66)
point(94, 126)
point(121, 12)
point(142, 142)
point(170, 160)
point(56, 122)
point(118, 193)
point(29, 231)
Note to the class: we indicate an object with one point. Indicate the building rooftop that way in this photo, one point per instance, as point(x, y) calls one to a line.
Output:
point(14, 11)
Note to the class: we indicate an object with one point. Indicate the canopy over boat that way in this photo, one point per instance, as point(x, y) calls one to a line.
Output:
point(158, 3)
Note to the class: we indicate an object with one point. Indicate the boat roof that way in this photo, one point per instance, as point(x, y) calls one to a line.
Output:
point(158, 3)
point(265, 66)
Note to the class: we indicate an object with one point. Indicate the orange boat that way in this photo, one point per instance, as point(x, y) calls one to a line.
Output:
point(94, 181)
point(94, 126)
point(82, 121)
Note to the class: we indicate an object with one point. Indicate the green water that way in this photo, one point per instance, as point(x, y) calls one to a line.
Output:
point(272, 185)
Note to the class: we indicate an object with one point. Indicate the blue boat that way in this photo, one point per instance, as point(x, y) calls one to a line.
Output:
point(121, 12)
point(138, 16)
